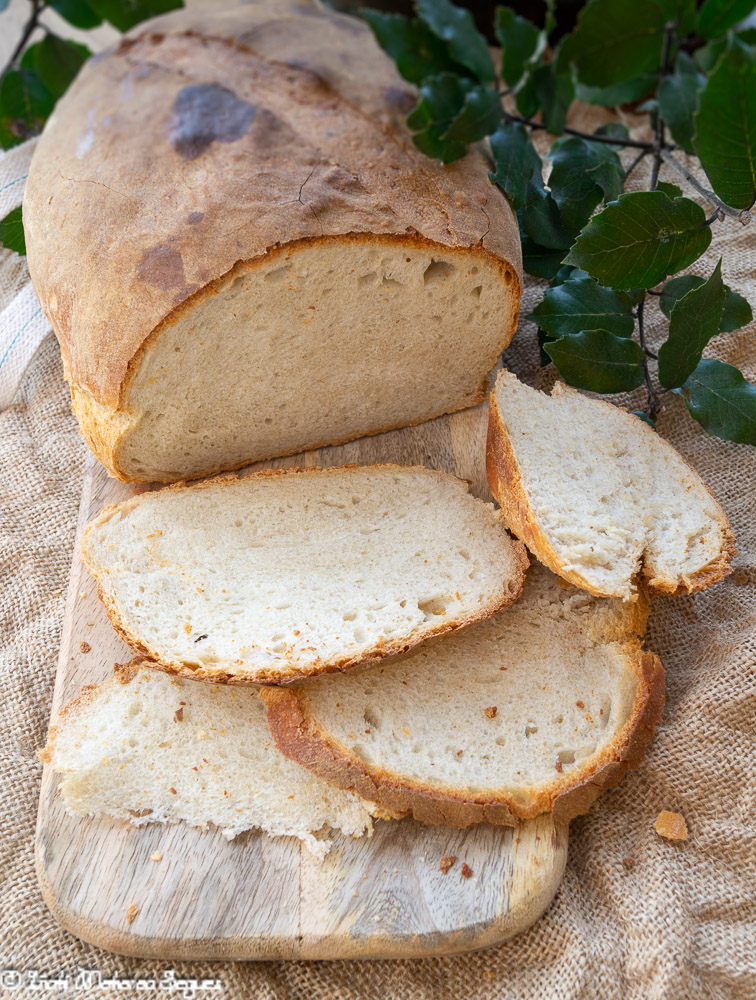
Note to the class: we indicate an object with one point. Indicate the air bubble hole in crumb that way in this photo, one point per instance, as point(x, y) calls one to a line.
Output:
point(566, 756)
point(530, 729)
point(437, 271)
point(349, 616)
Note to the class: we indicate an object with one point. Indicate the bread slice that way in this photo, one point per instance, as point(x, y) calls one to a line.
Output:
point(599, 497)
point(242, 252)
point(147, 748)
point(278, 575)
point(535, 710)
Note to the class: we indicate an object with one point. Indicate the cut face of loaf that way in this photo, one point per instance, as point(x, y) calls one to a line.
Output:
point(599, 497)
point(535, 710)
point(242, 253)
point(145, 748)
point(320, 343)
point(276, 576)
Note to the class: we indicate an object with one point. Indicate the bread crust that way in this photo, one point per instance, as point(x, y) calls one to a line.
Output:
point(151, 226)
point(505, 481)
point(299, 737)
point(382, 650)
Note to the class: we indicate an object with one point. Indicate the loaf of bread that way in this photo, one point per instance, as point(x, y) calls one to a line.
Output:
point(145, 748)
point(242, 253)
point(534, 710)
point(599, 497)
point(279, 575)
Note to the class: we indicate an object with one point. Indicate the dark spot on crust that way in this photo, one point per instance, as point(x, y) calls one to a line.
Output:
point(205, 114)
point(194, 217)
point(161, 266)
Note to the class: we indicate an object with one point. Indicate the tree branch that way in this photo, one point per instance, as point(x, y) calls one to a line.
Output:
point(636, 161)
point(742, 215)
point(654, 403)
point(659, 137)
point(608, 140)
point(29, 27)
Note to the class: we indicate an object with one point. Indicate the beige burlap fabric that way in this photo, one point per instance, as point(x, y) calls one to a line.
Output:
point(680, 924)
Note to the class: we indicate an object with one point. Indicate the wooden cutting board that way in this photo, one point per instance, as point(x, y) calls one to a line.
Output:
point(260, 897)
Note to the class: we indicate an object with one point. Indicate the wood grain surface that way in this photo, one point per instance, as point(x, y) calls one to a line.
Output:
point(260, 897)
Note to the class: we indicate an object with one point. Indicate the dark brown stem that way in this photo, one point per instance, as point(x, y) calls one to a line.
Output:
point(37, 7)
point(743, 216)
point(654, 404)
point(636, 161)
point(659, 137)
point(608, 140)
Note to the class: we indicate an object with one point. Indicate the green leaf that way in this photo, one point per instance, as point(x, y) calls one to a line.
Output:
point(517, 163)
point(721, 400)
point(79, 13)
point(480, 116)
point(527, 98)
point(125, 14)
point(726, 127)
point(615, 40)
point(540, 261)
point(582, 174)
point(543, 224)
point(678, 100)
point(613, 130)
point(555, 93)
point(671, 190)
point(619, 93)
point(25, 104)
point(641, 238)
point(693, 322)
point(56, 62)
point(442, 98)
point(582, 304)
point(598, 361)
point(12, 232)
point(566, 272)
point(457, 28)
point(683, 12)
point(717, 16)
point(519, 40)
point(417, 52)
point(736, 312)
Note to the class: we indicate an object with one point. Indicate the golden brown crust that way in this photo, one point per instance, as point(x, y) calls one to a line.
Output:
point(286, 673)
point(505, 482)
point(156, 203)
point(299, 737)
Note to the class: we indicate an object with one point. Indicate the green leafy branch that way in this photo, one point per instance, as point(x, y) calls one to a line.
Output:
point(39, 72)
point(604, 251)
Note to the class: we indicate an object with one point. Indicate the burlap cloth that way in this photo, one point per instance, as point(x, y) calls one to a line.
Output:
point(680, 923)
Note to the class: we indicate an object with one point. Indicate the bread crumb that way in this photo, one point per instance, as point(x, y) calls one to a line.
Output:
point(740, 577)
point(628, 863)
point(355, 894)
point(558, 766)
point(83, 595)
point(173, 791)
point(85, 647)
point(581, 704)
point(157, 856)
point(131, 913)
point(178, 715)
point(671, 825)
point(490, 711)
point(446, 862)
point(466, 871)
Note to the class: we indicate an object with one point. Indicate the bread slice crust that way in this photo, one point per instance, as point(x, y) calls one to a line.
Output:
point(382, 649)
point(506, 483)
point(299, 737)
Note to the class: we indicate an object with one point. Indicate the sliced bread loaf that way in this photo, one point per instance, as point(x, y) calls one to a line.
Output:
point(599, 497)
point(535, 710)
point(271, 577)
point(147, 748)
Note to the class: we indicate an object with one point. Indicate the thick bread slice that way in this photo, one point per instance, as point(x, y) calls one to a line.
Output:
point(599, 497)
point(535, 710)
point(148, 748)
point(242, 252)
point(278, 575)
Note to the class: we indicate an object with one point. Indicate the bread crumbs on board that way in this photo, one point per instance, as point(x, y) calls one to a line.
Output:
point(131, 913)
point(466, 871)
point(446, 862)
